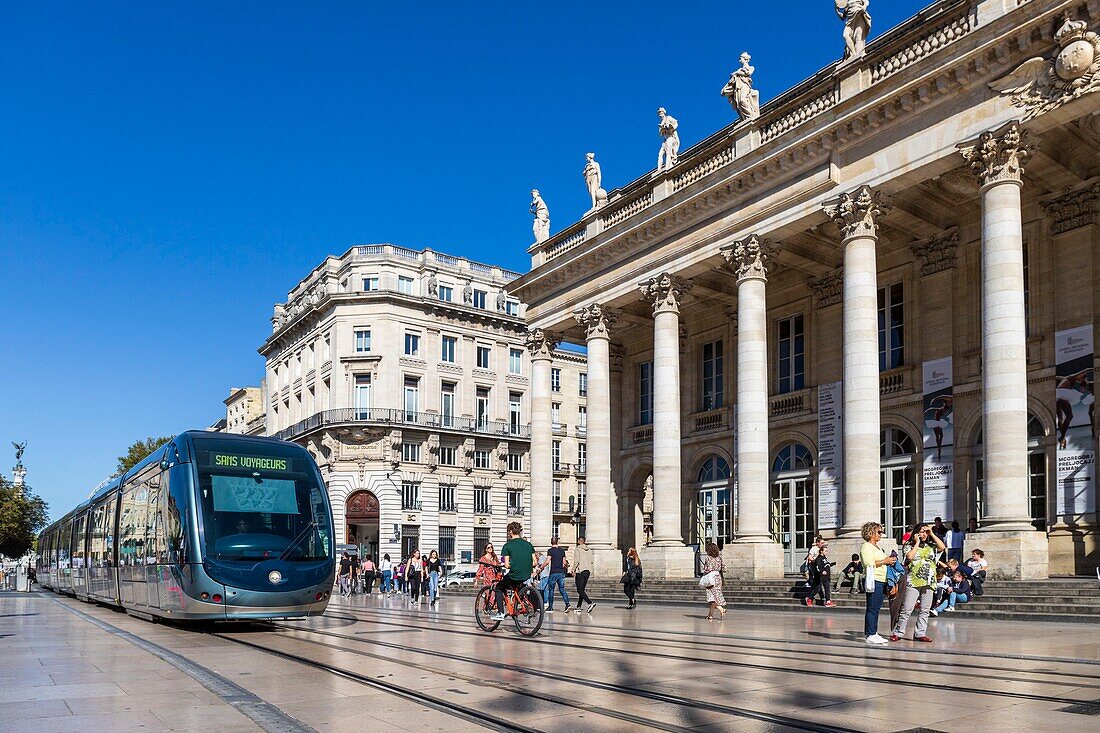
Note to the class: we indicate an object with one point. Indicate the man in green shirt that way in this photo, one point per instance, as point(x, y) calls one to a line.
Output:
point(518, 556)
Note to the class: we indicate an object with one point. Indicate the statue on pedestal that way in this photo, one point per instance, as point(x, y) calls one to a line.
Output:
point(670, 148)
point(738, 90)
point(857, 25)
point(647, 508)
point(541, 226)
point(593, 177)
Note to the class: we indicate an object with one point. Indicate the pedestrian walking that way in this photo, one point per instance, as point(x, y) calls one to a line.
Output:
point(542, 570)
point(344, 576)
point(632, 578)
point(874, 560)
point(954, 542)
point(399, 576)
point(434, 570)
point(582, 572)
point(925, 545)
point(555, 558)
point(488, 569)
point(368, 575)
point(386, 568)
point(355, 578)
point(414, 576)
point(713, 571)
point(822, 577)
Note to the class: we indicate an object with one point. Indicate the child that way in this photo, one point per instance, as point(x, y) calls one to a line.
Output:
point(852, 575)
point(960, 593)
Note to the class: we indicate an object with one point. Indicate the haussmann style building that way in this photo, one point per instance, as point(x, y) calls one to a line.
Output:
point(874, 298)
point(406, 375)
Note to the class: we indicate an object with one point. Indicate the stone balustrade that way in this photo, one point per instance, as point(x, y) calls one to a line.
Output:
point(792, 403)
point(641, 434)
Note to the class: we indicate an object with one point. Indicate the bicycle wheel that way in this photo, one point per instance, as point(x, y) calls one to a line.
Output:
point(529, 612)
point(484, 608)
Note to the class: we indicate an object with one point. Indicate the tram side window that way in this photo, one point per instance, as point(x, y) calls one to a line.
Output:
point(109, 535)
point(95, 547)
point(130, 523)
point(63, 545)
point(154, 528)
point(175, 514)
point(78, 541)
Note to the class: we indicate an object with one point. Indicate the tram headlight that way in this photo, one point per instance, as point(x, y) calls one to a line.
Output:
point(275, 577)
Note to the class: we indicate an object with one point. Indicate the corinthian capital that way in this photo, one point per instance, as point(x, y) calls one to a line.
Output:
point(937, 254)
point(597, 320)
point(1073, 209)
point(665, 292)
point(857, 213)
point(541, 343)
point(999, 155)
point(749, 257)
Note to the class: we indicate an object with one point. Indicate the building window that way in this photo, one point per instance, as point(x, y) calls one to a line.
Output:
point(481, 459)
point(483, 357)
point(713, 396)
point(479, 299)
point(362, 397)
point(582, 457)
point(582, 419)
point(792, 354)
point(482, 500)
point(515, 415)
point(555, 455)
point(412, 344)
point(326, 348)
point(555, 497)
point(555, 415)
point(447, 498)
point(410, 452)
point(645, 393)
point(515, 503)
point(446, 293)
point(410, 496)
point(362, 341)
point(448, 456)
point(481, 406)
point(515, 361)
point(515, 462)
point(447, 543)
point(555, 532)
point(891, 327)
point(511, 307)
point(404, 285)
point(412, 398)
point(582, 497)
point(447, 350)
point(447, 404)
point(582, 384)
point(481, 539)
point(555, 380)
point(370, 283)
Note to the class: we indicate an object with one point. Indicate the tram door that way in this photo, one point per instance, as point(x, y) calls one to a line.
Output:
point(793, 519)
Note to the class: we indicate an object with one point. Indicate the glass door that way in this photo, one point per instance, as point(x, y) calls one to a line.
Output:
point(898, 500)
point(793, 519)
point(713, 517)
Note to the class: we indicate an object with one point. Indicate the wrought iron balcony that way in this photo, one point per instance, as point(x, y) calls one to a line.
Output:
point(384, 416)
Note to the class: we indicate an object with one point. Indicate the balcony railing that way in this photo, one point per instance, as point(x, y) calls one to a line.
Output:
point(387, 416)
point(893, 381)
point(580, 468)
point(451, 507)
point(641, 434)
point(710, 420)
point(483, 509)
point(515, 511)
point(411, 506)
point(787, 404)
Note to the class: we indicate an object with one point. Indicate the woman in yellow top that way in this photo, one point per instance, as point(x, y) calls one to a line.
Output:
point(922, 581)
point(874, 562)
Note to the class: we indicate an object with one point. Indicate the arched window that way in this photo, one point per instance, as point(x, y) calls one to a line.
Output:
point(894, 443)
point(897, 481)
point(714, 469)
point(792, 457)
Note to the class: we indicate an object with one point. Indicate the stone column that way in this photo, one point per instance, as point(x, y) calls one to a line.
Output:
point(541, 344)
point(753, 554)
point(597, 321)
point(997, 158)
point(857, 214)
point(617, 501)
point(667, 556)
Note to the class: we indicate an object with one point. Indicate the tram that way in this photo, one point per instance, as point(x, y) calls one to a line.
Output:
point(211, 526)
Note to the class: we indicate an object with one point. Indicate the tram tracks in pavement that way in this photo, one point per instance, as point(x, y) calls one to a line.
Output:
point(678, 638)
point(939, 670)
point(587, 683)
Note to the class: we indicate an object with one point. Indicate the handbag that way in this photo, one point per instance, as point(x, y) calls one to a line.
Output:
point(709, 580)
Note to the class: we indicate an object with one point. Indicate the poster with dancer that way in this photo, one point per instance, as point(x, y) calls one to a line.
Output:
point(939, 438)
point(1076, 431)
point(829, 462)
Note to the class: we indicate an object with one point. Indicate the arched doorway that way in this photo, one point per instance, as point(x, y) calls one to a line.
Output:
point(713, 521)
point(361, 516)
point(793, 510)
point(897, 482)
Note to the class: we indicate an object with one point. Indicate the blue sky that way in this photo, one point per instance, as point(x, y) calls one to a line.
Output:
point(168, 171)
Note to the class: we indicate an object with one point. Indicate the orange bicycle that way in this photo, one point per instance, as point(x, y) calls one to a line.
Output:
point(524, 605)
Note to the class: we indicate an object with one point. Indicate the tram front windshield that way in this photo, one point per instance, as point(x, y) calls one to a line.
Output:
point(259, 502)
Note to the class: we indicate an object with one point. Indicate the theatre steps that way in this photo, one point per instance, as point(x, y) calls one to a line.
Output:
point(1073, 600)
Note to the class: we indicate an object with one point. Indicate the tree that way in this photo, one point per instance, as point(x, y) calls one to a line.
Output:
point(22, 514)
point(137, 453)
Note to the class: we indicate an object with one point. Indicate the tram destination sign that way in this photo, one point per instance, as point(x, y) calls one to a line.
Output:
point(218, 459)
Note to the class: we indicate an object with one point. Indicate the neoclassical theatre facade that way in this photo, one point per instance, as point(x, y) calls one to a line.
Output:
point(874, 300)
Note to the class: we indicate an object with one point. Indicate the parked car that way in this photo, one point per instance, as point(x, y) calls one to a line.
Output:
point(463, 577)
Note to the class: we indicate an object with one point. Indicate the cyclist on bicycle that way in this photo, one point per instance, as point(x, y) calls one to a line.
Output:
point(518, 556)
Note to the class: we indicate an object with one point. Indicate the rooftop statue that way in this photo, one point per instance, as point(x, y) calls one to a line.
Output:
point(541, 226)
point(670, 148)
point(738, 90)
point(19, 448)
point(857, 25)
point(593, 177)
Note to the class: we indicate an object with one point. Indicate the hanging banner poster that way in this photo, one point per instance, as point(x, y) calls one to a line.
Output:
point(939, 439)
point(829, 455)
point(1075, 433)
